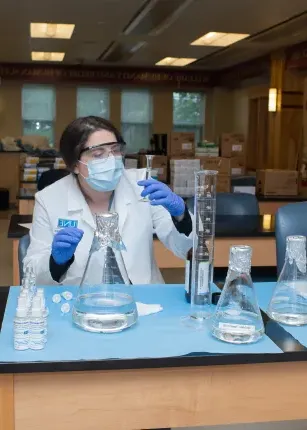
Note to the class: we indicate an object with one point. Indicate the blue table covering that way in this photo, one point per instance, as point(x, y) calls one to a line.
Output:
point(157, 335)
point(264, 292)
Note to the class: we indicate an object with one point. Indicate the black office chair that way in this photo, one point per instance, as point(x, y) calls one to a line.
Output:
point(232, 204)
point(47, 178)
point(50, 176)
point(243, 181)
point(236, 204)
point(290, 220)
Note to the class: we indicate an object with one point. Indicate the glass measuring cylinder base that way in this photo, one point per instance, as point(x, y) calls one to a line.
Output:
point(199, 313)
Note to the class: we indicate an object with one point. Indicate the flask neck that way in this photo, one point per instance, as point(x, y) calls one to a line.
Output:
point(107, 231)
point(296, 254)
point(238, 276)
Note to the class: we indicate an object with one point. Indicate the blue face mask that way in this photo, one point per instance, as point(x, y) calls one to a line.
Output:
point(104, 174)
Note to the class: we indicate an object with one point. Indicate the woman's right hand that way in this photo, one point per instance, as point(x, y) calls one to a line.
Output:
point(65, 243)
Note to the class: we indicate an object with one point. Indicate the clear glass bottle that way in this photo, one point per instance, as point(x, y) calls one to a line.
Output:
point(105, 300)
point(288, 304)
point(21, 325)
point(29, 280)
point(202, 272)
point(37, 325)
point(238, 318)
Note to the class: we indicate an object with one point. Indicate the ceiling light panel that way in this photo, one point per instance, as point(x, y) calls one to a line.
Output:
point(219, 39)
point(51, 31)
point(47, 56)
point(175, 61)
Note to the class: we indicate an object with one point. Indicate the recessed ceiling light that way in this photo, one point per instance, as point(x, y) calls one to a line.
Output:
point(219, 39)
point(175, 61)
point(44, 30)
point(47, 56)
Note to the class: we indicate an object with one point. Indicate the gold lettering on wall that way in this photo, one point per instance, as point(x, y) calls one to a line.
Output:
point(108, 75)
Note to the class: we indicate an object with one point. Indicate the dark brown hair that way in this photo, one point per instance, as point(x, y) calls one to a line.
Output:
point(77, 133)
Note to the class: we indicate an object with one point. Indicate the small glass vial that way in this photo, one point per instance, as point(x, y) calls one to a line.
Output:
point(37, 325)
point(238, 318)
point(149, 161)
point(29, 280)
point(288, 304)
point(21, 326)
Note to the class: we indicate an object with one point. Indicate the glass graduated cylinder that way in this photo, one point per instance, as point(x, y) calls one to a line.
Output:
point(238, 318)
point(149, 161)
point(288, 304)
point(105, 300)
point(203, 244)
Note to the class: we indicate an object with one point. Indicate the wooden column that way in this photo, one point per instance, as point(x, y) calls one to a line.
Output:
point(285, 125)
point(303, 154)
point(7, 419)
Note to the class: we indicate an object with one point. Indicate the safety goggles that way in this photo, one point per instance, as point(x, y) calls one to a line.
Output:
point(103, 150)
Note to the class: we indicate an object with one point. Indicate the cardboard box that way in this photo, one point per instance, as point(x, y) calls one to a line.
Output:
point(232, 145)
point(159, 163)
point(223, 184)
point(182, 175)
point(277, 182)
point(237, 166)
point(220, 164)
point(182, 144)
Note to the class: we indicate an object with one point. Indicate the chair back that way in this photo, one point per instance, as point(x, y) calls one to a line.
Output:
point(49, 177)
point(23, 246)
point(243, 181)
point(232, 204)
point(236, 204)
point(291, 220)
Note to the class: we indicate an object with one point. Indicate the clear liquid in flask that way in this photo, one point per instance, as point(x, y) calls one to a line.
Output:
point(110, 312)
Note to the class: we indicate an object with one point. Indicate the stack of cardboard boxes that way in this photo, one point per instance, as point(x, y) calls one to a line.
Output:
point(183, 176)
point(231, 162)
point(184, 162)
point(233, 149)
point(183, 165)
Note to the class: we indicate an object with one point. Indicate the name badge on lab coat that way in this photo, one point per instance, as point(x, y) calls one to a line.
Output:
point(63, 223)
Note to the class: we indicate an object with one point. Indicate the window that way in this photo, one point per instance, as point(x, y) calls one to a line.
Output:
point(38, 111)
point(189, 113)
point(93, 101)
point(136, 119)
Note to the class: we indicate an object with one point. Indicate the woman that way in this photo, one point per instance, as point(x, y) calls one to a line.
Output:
point(63, 222)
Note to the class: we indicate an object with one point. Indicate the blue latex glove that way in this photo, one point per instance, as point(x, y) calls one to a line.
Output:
point(161, 194)
point(65, 243)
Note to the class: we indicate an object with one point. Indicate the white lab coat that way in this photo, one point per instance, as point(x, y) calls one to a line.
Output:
point(64, 200)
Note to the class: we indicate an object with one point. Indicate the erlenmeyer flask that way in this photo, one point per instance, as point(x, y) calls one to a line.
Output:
point(288, 304)
point(237, 318)
point(105, 300)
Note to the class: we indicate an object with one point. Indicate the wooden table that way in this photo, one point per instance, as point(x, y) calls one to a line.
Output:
point(194, 390)
point(271, 204)
point(257, 232)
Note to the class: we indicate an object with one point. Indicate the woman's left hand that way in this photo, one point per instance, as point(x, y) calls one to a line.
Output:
point(161, 194)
